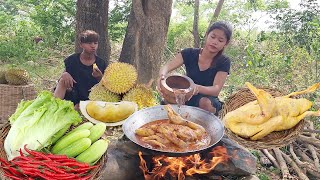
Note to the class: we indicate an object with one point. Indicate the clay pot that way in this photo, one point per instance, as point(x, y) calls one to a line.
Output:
point(176, 83)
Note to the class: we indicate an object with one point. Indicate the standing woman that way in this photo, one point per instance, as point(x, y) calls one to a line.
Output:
point(208, 67)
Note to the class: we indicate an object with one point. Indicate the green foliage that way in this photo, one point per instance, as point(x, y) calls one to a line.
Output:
point(263, 176)
point(301, 26)
point(55, 18)
point(118, 20)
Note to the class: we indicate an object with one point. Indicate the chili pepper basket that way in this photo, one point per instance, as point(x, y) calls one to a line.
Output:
point(274, 139)
point(96, 173)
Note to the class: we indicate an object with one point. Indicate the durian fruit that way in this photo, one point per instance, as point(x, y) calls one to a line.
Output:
point(99, 93)
point(94, 66)
point(16, 76)
point(119, 77)
point(2, 77)
point(142, 95)
point(111, 112)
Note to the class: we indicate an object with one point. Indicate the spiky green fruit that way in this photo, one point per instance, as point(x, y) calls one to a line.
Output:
point(17, 76)
point(142, 95)
point(119, 77)
point(3, 77)
point(100, 93)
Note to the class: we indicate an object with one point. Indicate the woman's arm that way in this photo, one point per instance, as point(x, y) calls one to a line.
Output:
point(216, 87)
point(176, 62)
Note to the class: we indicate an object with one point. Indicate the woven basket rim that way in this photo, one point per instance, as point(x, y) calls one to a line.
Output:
point(274, 139)
point(96, 173)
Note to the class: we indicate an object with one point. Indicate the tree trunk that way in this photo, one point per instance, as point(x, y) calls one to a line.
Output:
point(93, 15)
point(217, 11)
point(146, 35)
point(195, 31)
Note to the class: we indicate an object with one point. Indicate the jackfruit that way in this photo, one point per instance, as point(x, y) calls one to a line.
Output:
point(17, 76)
point(111, 112)
point(142, 95)
point(2, 77)
point(99, 93)
point(119, 77)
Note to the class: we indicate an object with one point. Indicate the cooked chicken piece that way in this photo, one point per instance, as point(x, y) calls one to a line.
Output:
point(259, 118)
point(155, 143)
point(144, 131)
point(158, 137)
point(177, 119)
point(172, 136)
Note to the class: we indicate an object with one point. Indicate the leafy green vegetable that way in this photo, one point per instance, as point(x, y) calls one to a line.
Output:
point(36, 122)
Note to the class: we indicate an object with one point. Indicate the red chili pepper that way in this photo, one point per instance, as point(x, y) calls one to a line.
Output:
point(54, 175)
point(13, 171)
point(12, 177)
point(31, 172)
point(44, 177)
point(23, 159)
point(76, 164)
point(36, 153)
point(26, 164)
point(54, 157)
point(4, 162)
point(21, 153)
point(83, 169)
point(54, 168)
point(85, 177)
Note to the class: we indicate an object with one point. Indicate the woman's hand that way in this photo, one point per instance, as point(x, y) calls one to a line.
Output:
point(97, 73)
point(162, 77)
point(195, 91)
point(67, 80)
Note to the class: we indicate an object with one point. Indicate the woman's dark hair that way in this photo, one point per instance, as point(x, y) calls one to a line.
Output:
point(222, 25)
point(88, 36)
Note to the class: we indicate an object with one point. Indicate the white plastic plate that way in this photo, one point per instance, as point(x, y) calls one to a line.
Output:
point(83, 105)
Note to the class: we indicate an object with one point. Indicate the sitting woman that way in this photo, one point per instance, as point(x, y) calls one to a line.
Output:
point(208, 67)
point(80, 73)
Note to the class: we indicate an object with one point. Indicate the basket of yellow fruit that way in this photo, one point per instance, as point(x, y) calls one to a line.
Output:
point(265, 118)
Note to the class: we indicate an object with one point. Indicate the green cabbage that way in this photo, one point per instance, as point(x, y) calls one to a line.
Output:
point(36, 122)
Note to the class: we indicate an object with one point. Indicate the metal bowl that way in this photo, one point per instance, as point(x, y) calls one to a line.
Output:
point(210, 122)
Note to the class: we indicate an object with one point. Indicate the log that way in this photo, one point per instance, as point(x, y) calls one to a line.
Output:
point(310, 140)
point(294, 166)
point(264, 159)
point(282, 163)
point(304, 156)
point(271, 158)
point(312, 149)
point(310, 167)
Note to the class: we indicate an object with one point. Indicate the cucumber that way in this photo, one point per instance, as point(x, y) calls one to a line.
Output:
point(97, 131)
point(86, 125)
point(69, 139)
point(94, 152)
point(76, 148)
point(60, 133)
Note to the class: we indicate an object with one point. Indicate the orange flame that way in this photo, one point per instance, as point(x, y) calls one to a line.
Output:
point(183, 166)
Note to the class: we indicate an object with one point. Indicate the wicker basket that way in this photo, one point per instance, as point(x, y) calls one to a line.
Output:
point(96, 173)
point(274, 139)
point(10, 96)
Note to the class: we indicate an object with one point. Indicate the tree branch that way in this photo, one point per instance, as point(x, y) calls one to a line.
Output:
point(283, 166)
point(294, 166)
point(272, 159)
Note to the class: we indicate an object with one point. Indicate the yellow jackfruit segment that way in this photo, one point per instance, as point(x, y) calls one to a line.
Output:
point(111, 112)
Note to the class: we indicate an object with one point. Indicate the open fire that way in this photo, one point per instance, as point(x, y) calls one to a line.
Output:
point(180, 167)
